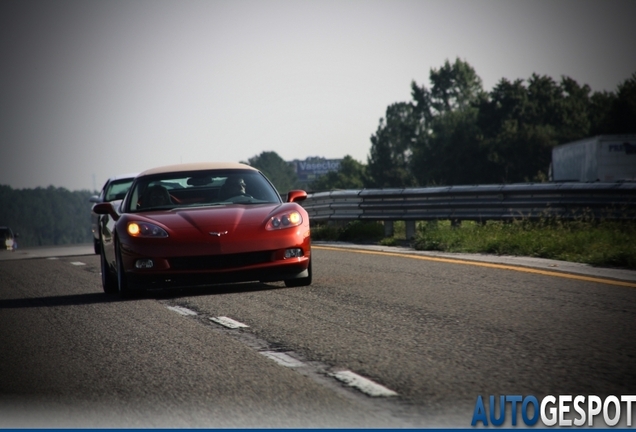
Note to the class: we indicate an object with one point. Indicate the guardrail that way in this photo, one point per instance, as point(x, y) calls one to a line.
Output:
point(615, 201)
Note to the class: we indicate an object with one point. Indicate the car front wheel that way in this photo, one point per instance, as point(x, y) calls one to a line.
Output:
point(122, 281)
point(300, 281)
point(109, 283)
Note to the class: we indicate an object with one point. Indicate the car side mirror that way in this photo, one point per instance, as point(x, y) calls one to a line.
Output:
point(296, 196)
point(94, 199)
point(106, 208)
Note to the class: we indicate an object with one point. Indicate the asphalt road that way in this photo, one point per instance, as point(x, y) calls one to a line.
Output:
point(430, 332)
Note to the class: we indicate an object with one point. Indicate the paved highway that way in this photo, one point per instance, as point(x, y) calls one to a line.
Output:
point(382, 338)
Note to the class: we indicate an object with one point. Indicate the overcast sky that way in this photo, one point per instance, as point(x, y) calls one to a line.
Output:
point(90, 89)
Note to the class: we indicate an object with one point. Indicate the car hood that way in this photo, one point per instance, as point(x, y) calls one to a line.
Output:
point(216, 218)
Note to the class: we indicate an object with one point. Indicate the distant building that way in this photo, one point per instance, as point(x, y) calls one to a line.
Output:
point(313, 167)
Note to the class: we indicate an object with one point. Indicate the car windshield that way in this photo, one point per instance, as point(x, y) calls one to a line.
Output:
point(200, 188)
point(117, 189)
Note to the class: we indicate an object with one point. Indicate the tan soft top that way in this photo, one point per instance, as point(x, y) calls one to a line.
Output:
point(198, 166)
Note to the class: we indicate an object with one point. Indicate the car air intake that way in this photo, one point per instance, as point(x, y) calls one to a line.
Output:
point(219, 262)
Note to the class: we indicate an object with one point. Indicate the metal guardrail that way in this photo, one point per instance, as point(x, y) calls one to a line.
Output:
point(615, 201)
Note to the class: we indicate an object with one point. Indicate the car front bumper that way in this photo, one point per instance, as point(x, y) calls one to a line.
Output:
point(207, 269)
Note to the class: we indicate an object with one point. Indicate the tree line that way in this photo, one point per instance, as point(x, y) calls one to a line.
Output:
point(46, 216)
point(454, 132)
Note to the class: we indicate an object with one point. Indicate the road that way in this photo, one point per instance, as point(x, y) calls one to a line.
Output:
point(430, 332)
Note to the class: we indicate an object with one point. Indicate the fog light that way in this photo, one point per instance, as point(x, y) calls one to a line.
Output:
point(293, 253)
point(144, 264)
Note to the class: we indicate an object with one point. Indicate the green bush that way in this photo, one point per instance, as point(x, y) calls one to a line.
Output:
point(355, 231)
point(325, 232)
point(362, 231)
point(389, 241)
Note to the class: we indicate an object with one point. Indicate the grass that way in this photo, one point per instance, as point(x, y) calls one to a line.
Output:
point(599, 243)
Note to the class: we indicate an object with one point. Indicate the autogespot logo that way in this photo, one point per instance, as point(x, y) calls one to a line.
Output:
point(562, 410)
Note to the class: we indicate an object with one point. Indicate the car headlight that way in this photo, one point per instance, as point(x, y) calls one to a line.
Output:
point(145, 229)
point(284, 220)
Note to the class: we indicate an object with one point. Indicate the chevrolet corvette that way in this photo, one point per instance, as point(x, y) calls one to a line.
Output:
point(203, 224)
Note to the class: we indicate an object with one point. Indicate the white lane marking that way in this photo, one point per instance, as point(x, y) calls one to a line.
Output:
point(282, 359)
point(363, 384)
point(52, 258)
point(77, 263)
point(228, 322)
point(351, 379)
point(182, 310)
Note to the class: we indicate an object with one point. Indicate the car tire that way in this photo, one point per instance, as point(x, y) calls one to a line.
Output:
point(290, 283)
point(122, 282)
point(109, 283)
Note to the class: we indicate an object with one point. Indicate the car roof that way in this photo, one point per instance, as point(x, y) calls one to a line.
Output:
point(123, 176)
point(199, 166)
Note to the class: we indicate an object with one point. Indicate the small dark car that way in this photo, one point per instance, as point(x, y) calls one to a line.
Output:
point(114, 189)
point(8, 238)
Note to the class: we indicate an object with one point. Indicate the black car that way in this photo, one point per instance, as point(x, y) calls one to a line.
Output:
point(114, 189)
point(8, 238)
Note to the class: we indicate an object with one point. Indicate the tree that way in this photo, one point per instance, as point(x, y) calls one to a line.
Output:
point(391, 148)
point(623, 109)
point(454, 86)
point(279, 172)
point(522, 123)
point(573, 118)
point(446, 147)
point(351, 175)
point(600, 112)
point(451, 154)
point(456, 133)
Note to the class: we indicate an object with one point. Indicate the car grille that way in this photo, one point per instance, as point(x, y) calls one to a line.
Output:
point(218, 262)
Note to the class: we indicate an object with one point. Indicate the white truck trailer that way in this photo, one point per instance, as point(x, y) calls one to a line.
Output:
point(604, 158)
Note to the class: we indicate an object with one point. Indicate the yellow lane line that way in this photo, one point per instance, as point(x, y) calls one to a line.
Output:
point(485, 264)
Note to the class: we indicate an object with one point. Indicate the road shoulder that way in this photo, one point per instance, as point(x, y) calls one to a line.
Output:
point(528, 262)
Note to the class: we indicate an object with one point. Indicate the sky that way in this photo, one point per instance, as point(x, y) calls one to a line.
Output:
point(90, 89)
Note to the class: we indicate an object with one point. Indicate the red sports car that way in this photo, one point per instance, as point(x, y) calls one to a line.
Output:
point(200, 224)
